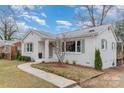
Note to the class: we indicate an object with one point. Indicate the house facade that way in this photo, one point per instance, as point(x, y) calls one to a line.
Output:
point(8, 49)
point(79, 46)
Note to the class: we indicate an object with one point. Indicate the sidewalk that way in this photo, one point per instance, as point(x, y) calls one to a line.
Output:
point(50, 77)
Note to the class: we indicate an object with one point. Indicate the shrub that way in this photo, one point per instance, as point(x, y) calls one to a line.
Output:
point(18, 54)
point(20, 58)
point(98, 60)
point(66, 62)
point(74, 62)
point(25, 58)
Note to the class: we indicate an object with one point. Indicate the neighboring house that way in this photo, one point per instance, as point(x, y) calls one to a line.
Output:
point(8, 49)
point(80, 48)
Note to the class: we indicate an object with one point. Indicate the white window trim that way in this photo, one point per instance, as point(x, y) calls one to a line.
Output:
point(105, 45)
point(75, 52)
point(29, 48)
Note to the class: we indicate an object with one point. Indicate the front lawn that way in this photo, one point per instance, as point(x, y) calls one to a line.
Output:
point(74, 72)
point(11, 77)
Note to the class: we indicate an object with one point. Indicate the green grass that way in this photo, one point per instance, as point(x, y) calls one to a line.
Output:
point(12, 77)
point(73, 72)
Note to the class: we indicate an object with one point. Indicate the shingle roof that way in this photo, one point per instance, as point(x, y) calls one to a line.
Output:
point(93, 31)
point(85, 32)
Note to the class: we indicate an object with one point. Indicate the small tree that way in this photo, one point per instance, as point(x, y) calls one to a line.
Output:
point(59, 48)
point(98, 60)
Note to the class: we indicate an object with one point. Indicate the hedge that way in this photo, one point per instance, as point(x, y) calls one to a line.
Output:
point(24, 58)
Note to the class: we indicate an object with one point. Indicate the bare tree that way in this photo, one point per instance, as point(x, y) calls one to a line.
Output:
point(59, 48)
point(8, 25)
point(92, 15)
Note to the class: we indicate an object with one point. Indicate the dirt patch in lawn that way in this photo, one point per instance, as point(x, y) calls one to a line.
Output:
point(112, 78)
point(74, 72)
point(60, 65)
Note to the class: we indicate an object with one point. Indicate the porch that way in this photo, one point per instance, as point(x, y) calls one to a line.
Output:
point(45, 51)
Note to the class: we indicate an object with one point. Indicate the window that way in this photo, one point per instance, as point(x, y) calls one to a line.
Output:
point(63, 48)
point(104, 44)
point(70, 46)
point(113, 45)
point(6, 49)
point(29, 47)
point(74, 46)
point(78, 46)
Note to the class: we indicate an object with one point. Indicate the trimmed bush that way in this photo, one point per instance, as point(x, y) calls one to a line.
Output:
point(98, 60)
point(25, 58)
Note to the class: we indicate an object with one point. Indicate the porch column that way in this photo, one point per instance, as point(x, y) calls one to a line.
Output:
point(46, 49)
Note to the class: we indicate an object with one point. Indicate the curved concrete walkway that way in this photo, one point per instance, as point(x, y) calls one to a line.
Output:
point(50, 77)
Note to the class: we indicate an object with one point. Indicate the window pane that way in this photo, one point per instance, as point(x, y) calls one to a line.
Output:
point(27, 47)
point(78, 46)
point(83, 46)
point(70, 46)
point(30, 47)
point(103, 44)
point(63, 46)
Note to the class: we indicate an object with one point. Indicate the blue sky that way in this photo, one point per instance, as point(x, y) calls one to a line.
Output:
point(54, 19)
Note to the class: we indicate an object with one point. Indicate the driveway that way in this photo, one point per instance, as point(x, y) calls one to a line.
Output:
point(113, 77)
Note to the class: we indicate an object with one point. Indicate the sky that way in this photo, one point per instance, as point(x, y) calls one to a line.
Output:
point(55, 19)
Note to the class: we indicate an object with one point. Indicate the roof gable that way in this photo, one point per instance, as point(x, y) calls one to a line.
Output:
point(39, 33)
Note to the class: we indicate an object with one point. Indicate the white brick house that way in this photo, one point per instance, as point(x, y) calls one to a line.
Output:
point(83, 44)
